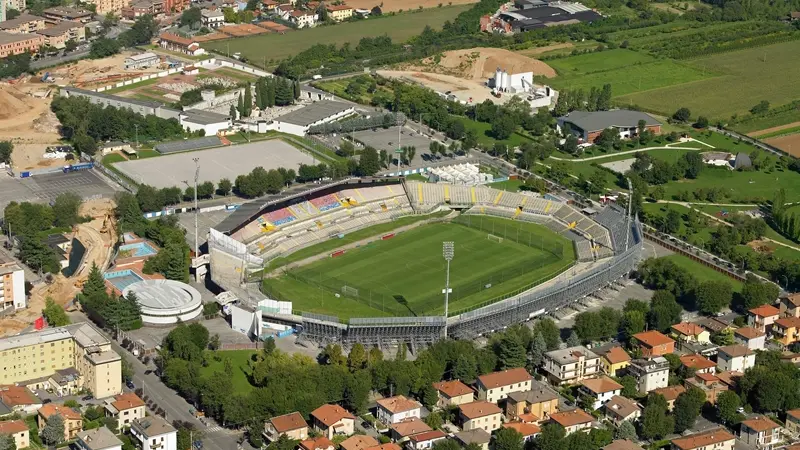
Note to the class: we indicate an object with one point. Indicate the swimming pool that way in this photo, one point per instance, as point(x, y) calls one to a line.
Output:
point(122, 278)
point(138, 249)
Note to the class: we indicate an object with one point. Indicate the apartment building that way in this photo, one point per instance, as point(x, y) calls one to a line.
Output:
point(453, 393)
point(614, 360)
point(532, 406)
point(690, 332)
point(601, 390)
point(752, 338)
point(789, 305)
point(398, 408)
point(154, 433)
point(339, 12)
point(572, 421)
point(620, 409)
point(401, 431)
point(763, 317)
point(737, 358)
point(212, 18)
point(786, 330)
point(709, 383)
point(57, 14)
point(760, 432)
point(98, 439)
point(716, 439)
point(496, 386)
point(699, 363)
point(125, 408)
point(654, 344)
point(58, 35)
point(571, 365)
point(24, 23)
point(481, 414)
point(670, 394)
point(650, 374)
point(73, 422)
point(793, 422)
point(104, 7)
point(40, 354)
point(12, 277)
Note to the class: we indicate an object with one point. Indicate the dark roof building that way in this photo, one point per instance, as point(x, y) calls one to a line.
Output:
point(743, 161)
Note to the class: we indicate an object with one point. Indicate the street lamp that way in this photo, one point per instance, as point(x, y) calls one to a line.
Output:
point(448, 249)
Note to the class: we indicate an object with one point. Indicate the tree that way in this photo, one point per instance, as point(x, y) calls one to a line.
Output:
point(53, 432)
point(233, 112)
point(503, 126)
point(655, 422)
point(224, 187)
point(12, 13)
point(6, 148)
point(54, 313)
point(7, 441)
point(609, 139)
point(511, 352)
point(434, 420)
point(629, 386)
point(713, 296)
point(141, 32)
point(687, 408)
point(429, 396)
point(191, 17)
point(632, 322)
point(537, 351)
point(549, 331)
point(205, 189)
point(103, 47)
point(760, 108)
point(702, 122)
point(357, 358)
point(65, 208)
point(664, 311)
point(682, 115)
point(508, 439)
point(248, 101)
point(728, 403)
point(626, 430)
point(571, 145)
point(369, 164)
point(95, 283)
point(573, 339)
point(756, 293)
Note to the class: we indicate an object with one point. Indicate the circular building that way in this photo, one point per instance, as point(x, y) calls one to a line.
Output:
point(163, 302)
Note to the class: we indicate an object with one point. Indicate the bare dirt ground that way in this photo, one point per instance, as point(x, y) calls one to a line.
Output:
point(790, 143)
point(471, 91)
point(27, 121)
point(480, 64)
point(98, 236)
point(770, 130)
point(91, 73)
point(539, 50)
point(761, 246)
point(405, 5)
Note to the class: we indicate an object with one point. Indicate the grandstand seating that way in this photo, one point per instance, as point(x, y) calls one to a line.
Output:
point(325, 202)
point(584, 250)
point(280, 217)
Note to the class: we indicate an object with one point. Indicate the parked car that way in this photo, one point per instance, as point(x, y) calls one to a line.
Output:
point(130, 384)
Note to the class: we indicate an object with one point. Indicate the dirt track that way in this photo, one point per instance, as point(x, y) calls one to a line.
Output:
point(789, 143)
point(773, 129)
point(405, 5)
point(98, 236)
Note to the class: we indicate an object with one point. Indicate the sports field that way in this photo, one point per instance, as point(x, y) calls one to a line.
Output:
point(405, 275)
point(275, 47)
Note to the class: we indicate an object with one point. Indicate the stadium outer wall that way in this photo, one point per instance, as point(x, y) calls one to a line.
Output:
point(421, 331)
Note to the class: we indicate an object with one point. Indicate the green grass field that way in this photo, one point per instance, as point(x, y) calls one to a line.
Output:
point(404, 275)
point(484, 131)
point(600, 61)
point(274, 47)
point(702, 272)
point(239, 360)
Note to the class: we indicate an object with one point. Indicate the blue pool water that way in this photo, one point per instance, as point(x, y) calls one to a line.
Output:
point(122, 278)
point(139, 249)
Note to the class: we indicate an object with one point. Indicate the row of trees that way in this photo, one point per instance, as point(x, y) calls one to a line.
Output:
point(595, 100)
point(152, 199)
point(141, 32)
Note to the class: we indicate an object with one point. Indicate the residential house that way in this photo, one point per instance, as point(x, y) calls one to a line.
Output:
point(317, 443)
point(480, 414)
point(98, 439)
point(622, 444)
point(760, 432)
point(571, 365)
point(19, 399)
point(587, 126)
point(763, 317)
point(716, 439)
point(789, 305)
point(614, 360)
point(14, 44)
point(601, 390)
point(650, 374)
point(330, 420)
point(125, 408)
point(754, 339)
point(401, 431)
point(699, 363)
point(453, 393)
point(527, 430)
point(477, 436)
point(654, 344)
point(786, 330)
point(18, 430)
point(24, 23)
point(496, 386)
point(729, 378)
point(291, 425)
point(425, 440)
point(339, 12)
point(574, 420)
point(540, 401)
point(73, 422)
point(736, 358)
point(714, 324)
point(690, 332)
point(359, 442)
point(212, 18)
point(709, 383)
point(620, 409)
point(792, 422)
point(303, 19)
point(154, 433)
point(670, 394)
point(175, 43)
point(398, 408)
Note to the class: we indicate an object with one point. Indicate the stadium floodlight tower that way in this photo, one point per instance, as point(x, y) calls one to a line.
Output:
point(448, 250)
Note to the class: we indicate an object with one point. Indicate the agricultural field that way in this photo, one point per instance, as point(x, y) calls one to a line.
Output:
point(600, 61)
point(403, 275)
point(275, 47)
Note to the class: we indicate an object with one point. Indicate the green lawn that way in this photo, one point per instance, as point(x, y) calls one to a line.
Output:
point(484, 131)
point(508, 185)
point(113, 158)
point(239, 360)
point(275, 47)
point(703, 272)
point(147, 153)
point(403, 275)
point(600, 61)
point(133, 86)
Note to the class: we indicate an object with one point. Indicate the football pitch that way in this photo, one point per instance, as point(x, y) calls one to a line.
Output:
point(405, 274)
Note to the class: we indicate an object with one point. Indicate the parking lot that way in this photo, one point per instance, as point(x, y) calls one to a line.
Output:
point(205, 220)
point(45, 188)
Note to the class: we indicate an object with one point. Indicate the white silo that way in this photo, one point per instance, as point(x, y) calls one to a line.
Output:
point(498, 74)
point(506, 81)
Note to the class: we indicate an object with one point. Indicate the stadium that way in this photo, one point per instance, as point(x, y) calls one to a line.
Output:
point(360, 260)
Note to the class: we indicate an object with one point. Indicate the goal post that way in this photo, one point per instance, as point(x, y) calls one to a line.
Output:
point(494, 238)
point(349, 291)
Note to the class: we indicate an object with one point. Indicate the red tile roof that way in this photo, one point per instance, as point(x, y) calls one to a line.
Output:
point(616, 355)
point(127, 401)
point(765, 311)
point(409, 427)
point(710, 437)
point(479, 409)
point(688, 328)
point(736, 350)
point(601, 385)
point(749, 332)
point(504, 378)
point(358, 442)
point(319, 443)
point(454, 388)
point(328, 415)
point(175, 39)
point(794, 413)
point(523, 428)
point(697, 362)
point(571, 418)
point(670, 393)
point(729, 377)
point(760, 424)
point(51, 408)
point(398, 404)
point(652, 338)
point(288, 422)
point(13, 395)
point(428, 436)
point(13, 427)
point(788, 322)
